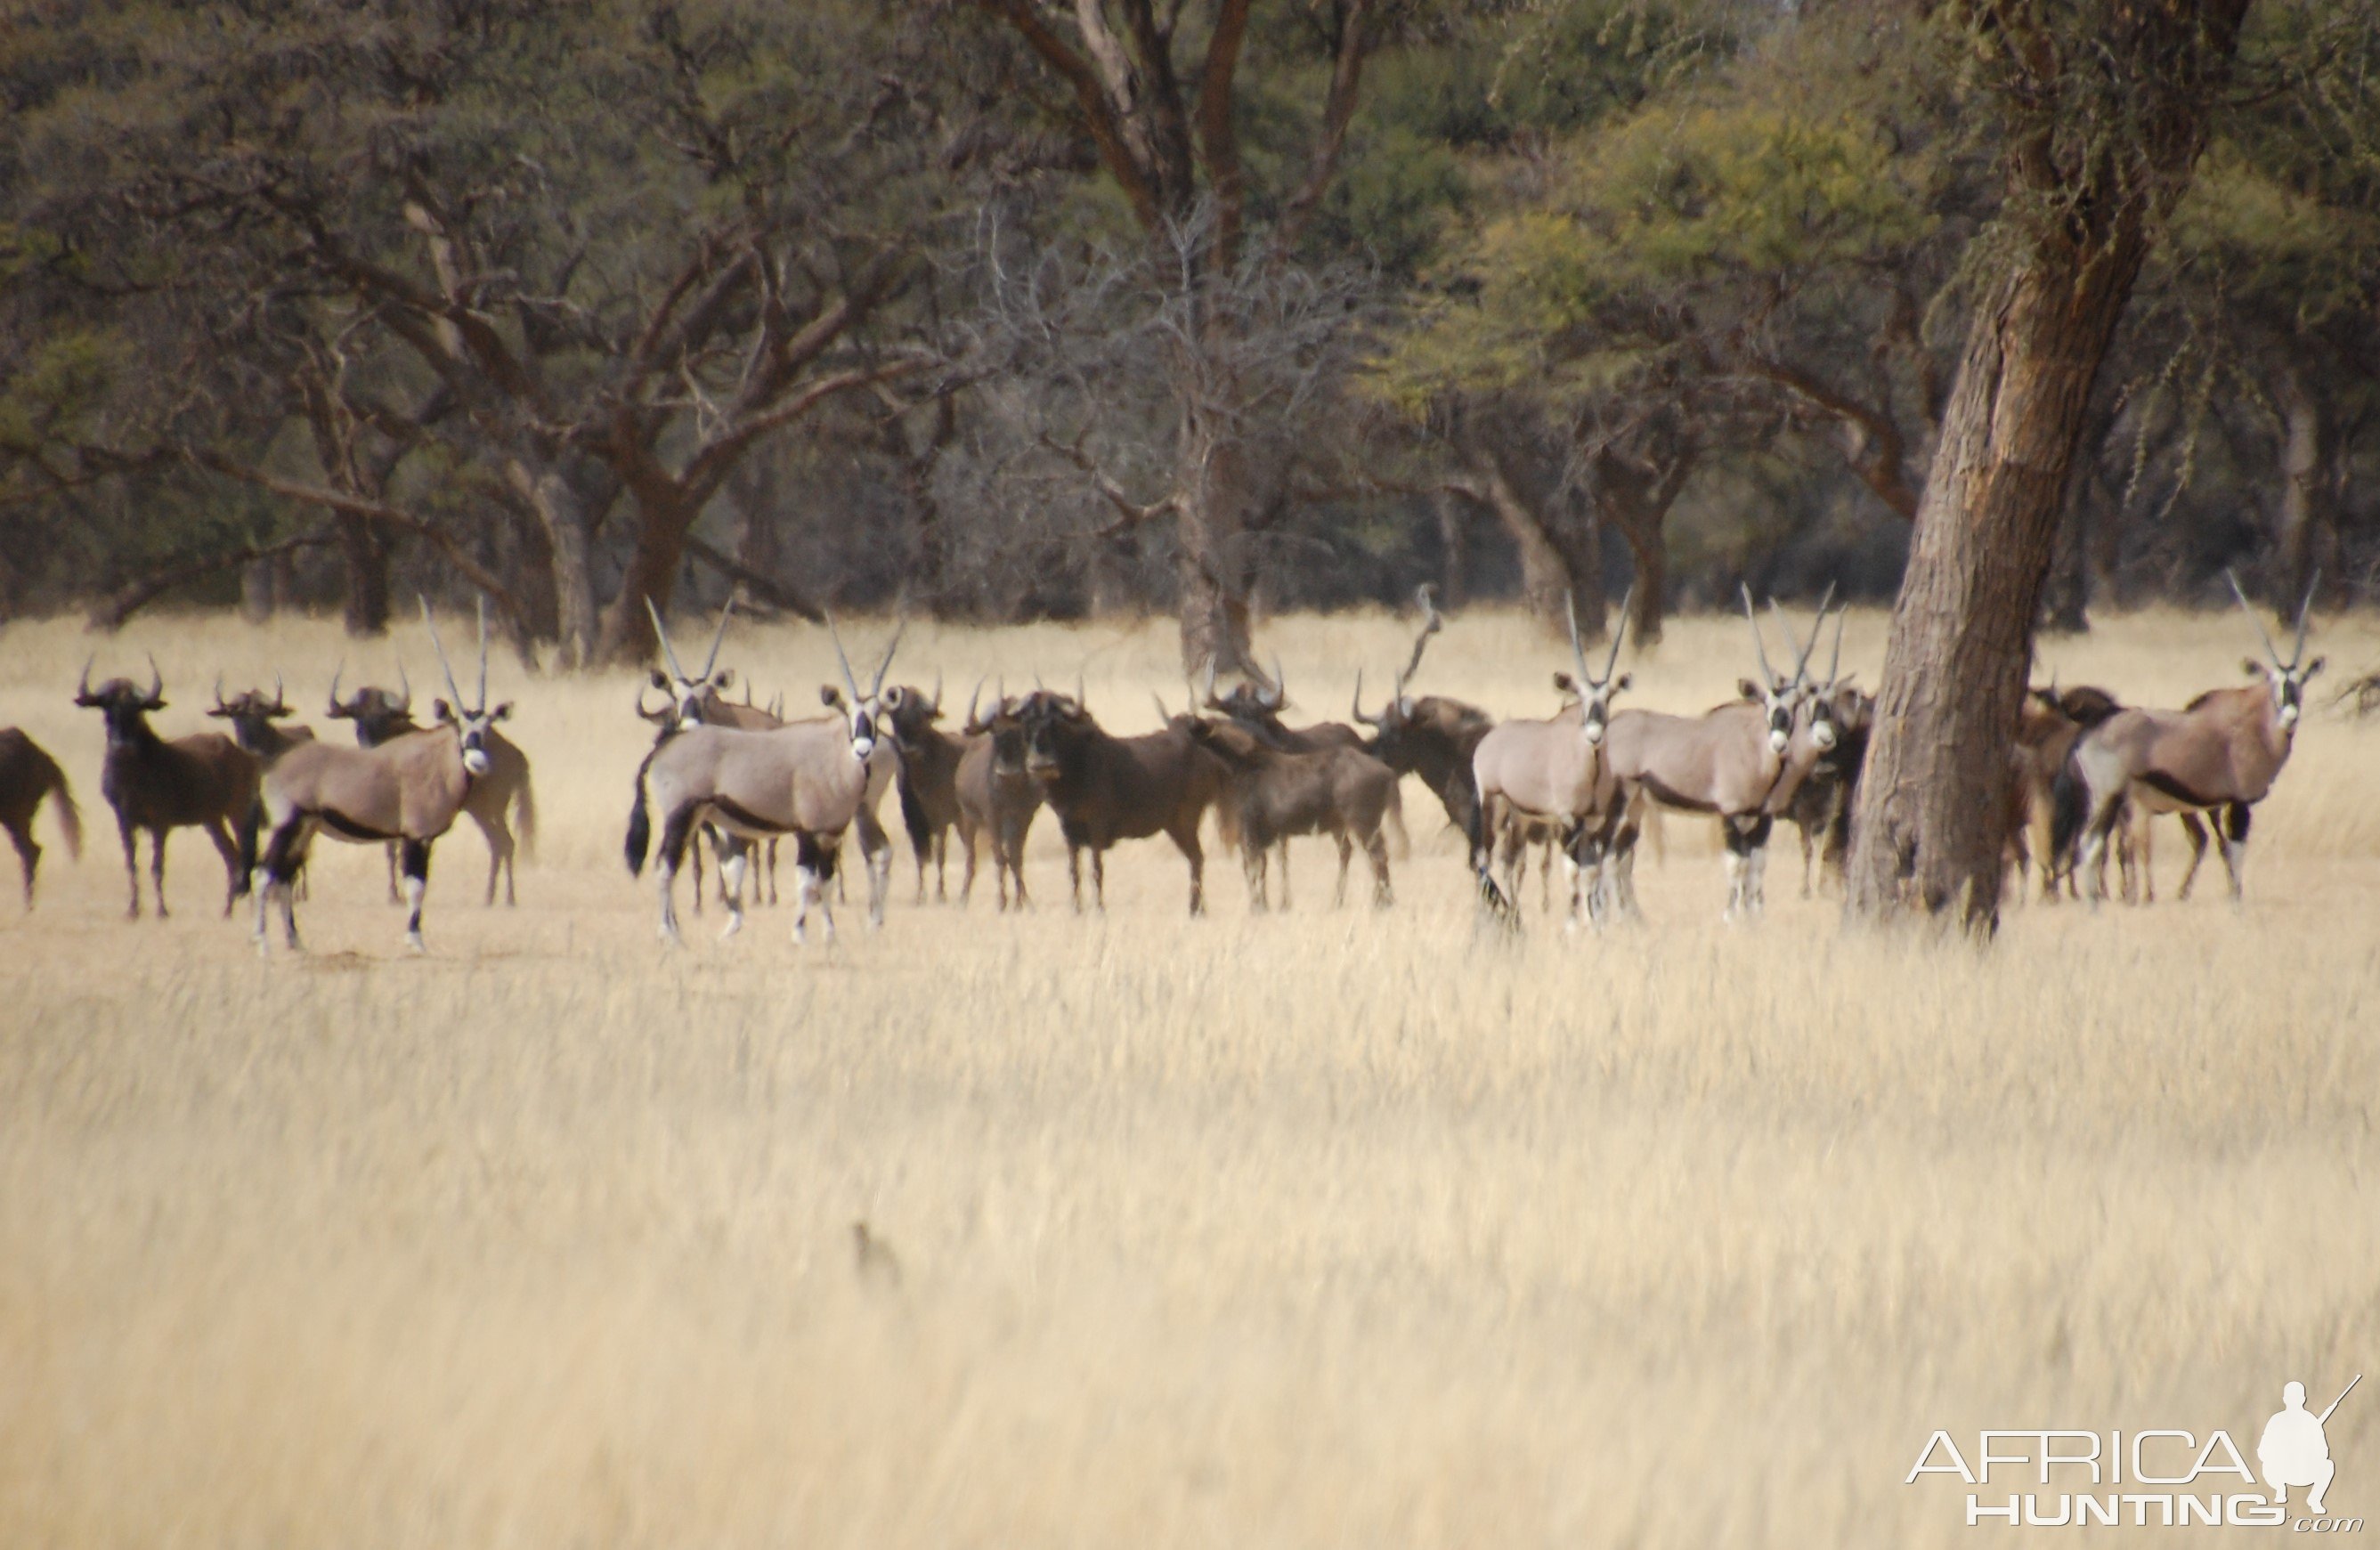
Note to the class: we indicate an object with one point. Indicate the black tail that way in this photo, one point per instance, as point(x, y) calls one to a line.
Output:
point(251, 823)
point(2070, 806)
point(640, 823)
point(1491, 897)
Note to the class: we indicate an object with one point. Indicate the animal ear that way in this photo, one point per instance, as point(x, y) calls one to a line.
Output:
point(726, 678)
point(2251, 667)
point(829, 695)
point(501, 712)
point(1562, 682)
point(1622, 682)
point(442, 710)
point(2310, 669)
point(892, 697)
point(1748, 689)
point(220, 710)
point(1404, 705)
point(661, 681)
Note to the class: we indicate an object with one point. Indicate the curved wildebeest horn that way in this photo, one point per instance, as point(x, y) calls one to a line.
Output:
point(643, 714)
point(1759, 643)
point(936, 704)
point(842, 661)
point(2313, 582)
point(337, 673)
point(725, 614)
point(1082, 700)
point(156, 683)
point(661, 634)
point(1619, 632)
point(1164, 716)
point(1577, 651)
point(405, 689)
point(886, 665)
point(219, 704)
point(973, 697)
point(440, 646)
point(1356, 709)
point(82, 684)
point(280, 701)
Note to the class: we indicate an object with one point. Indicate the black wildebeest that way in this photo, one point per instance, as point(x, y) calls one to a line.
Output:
point(1105, 788)
point(997, 795)
point(204, 781)
point(930, 778)
point(26, 775)
point(1257, 704)
point(1431, 737)
point(496, 799)
point(1271, 793)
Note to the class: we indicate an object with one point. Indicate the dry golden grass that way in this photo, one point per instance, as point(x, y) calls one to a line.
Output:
point(1332, 1227)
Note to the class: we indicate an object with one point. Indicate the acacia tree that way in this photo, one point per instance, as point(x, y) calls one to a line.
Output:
point(1156, 88)
point(2103, 110)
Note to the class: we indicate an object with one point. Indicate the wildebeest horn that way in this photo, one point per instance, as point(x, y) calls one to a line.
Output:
point(2312, 583)
point(886, 665)
point(280, 702)
point(82, 684)
point(842, 660)
point(1619, 632)
point(1082, 700)
point(661, 634)
point(642, 713)
point(2245, 607)
point(936, 707)
point(973, 697)
point(1163, 715)
point(337, 673)
point(219, 704)
point(403, 687)
point(156, 684)
point(725, 614)
point(1356, 707)
point(1278, 688)
point(440, 646)
point(1759, 643)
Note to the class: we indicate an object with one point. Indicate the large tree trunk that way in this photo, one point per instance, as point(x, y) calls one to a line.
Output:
point(562, 513)
point(1454, 550)
point(363, 564)
point(1215, 485)
point(1637, 498)
point(2306, 520)
point(658, 553)
point(1931, 822)
point(1559, 560)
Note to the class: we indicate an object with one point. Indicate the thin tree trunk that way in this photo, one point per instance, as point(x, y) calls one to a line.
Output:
point(363, 564)
point(563, 517)
point(1217, 568)
point(2305, 466)
point(1454, 570)
point(654, 560)
point(1931, 825)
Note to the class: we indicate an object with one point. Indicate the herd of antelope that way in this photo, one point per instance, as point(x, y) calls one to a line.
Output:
point(1585, 784)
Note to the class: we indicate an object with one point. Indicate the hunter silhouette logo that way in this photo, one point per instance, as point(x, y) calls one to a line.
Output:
point(2152, 1477)
point(2293, 1450)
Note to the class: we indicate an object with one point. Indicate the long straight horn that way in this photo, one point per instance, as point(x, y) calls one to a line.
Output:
point(440, 646)
point(1619, 634)
point(886, 665)
point(2313, 583)
point(842, 660)
point(661, 634)
point(2249, 609)
point(1768, 673)
point(481, 709)
point(1577, 653)
point(1835, 658)
point(719, 635)
point(1817, 626)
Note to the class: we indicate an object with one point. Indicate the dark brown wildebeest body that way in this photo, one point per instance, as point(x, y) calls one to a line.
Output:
point(929, 783)
point(997, 798)
point(27, 774)
point(1256, 704)
point(205, 782)
point(504, 789)
point(1431, 737)
point(1105, 789)
point(1271, 793)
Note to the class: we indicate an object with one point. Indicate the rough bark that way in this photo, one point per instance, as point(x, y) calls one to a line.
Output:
point(1217, 566)
point(562, 516)
point(2307, 523)
point(1637, 498)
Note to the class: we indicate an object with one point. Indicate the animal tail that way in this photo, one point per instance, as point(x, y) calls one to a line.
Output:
point(640, 823)
point(2069, 804)
point(1491, 897)
point(1396, 821)
point(69, 815)
point(251, 822)
point(525, 816)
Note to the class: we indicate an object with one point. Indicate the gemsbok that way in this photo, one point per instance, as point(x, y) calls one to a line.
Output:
point(1739, 762)
point(28, 775)
point(407, 789)
point(500, 798)
point(701, 697)
point(1105, 788)
point(1555, 772)
point(2220, 755)
point(997, 795)
point(811, 780)
point(204, 782)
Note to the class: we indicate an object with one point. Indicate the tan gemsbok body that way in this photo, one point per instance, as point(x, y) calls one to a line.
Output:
point(204, 781)
point(28, 775)
point(997, 795)
point(1105, 788)
point(253, 716)
point(701, 699)
point(1554, 772)
point(1257, 704)
point(1739, 762)
point(499, 799)
point(408, 789)
point(2218, 755)
point(2049, 721)
point(810, 780)
point(1271, 793)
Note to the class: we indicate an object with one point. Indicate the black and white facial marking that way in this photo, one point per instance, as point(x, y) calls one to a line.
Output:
point(471, 730)
point(687, 692)
point(1595, 694)
point(1783, 696)
point(2287, 680)
point(863, 709)
point(124, 705)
